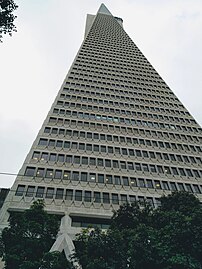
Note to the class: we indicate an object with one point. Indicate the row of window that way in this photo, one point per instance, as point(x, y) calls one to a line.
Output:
point(114, 72)
point(108, 102)
point(72, 80)
point(118, 66)
point(129, 78)
point(125, 152)
point(162, 89)
point(126, 121)
point(135, 142)
point(81, 195)
point(125, 139)
point(109, 164)
point(120, 112)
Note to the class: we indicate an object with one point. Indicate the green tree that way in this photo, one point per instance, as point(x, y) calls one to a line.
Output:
point(7, 7)
point(140, 236)
point(30, 235)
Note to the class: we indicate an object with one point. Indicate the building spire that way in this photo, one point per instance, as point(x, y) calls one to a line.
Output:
point(104, 10)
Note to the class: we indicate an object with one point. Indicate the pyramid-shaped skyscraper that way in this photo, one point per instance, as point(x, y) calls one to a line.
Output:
point(115, 133)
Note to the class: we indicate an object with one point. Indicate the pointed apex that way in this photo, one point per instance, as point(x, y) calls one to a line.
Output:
point(103, 9)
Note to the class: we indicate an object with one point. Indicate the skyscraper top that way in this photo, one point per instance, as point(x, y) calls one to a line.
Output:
point(104, 10)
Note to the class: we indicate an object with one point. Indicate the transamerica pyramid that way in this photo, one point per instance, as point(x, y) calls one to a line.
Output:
point(115, 133)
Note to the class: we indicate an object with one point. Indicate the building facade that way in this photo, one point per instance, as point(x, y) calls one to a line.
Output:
point(115, 133)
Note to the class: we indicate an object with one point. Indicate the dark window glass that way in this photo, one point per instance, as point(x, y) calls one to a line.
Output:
point(92, 177)
point(69, 195)
point(40, 172)
point(36, 155)
point(108, 163)
point(49, 193)
point(52, 157)
point(59, 193)
point(51, 143)
point(66, 175)
point(40, 192)
point(173, 186)
point(30, 171)
point(67, 144)
point(106, 198)
point(109, 179)
point(181, 186)
point(83, 176)
point(20, 190)
point(43, 142)
point(75, 175)
point(157, 184)
point(149, 183)
point(58, 174)
point(117, 180)
point(77, 159)
point(115, 199)
point(92, 161)
point(78, 195)
point(125, 181)
point(100, 178)
point(165, 185)
point(30, 191)
point(44, 156)
point(196, 189)
point(97, 197)
point(87, 196)
point(84, 160)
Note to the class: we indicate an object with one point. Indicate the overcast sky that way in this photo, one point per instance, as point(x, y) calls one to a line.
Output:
point(35, 60)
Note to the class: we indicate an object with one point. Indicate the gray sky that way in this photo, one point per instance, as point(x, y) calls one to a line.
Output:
point(34, 62)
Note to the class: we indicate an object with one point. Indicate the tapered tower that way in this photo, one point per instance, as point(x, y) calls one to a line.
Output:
point(114, 134)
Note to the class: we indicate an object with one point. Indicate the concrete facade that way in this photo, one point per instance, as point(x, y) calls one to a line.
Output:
point(114, 134)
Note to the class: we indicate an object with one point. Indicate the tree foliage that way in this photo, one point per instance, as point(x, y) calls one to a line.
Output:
point(7, 7)
point(169, 237)
point(29, 237)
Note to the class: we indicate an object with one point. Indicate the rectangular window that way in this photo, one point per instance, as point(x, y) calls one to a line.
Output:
point(106, 198)
point(165, 185)
point(84, 176)
point(20, 190)
point(40, 172)
point(58, 174)
point(44, 156)
point(40, 192)
point(149, 183)
point(117, 180)
point(100, 178)
point(109, 179)
point(52, 157)
point(49, 173)
point(157, 184)
point(87, 196)
point(49, 193)
point(66, 175)
point(125, 181)
point(115, 199)
point(69, 195)
point(77, 159)
point(92, 177)
point(173, 186)
point(30, 171)
point(78, 195)
point(196, 189)
point(36, 155)
point(97, 197)
point(59, 193)
point(75, 176)
point(30, 191)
